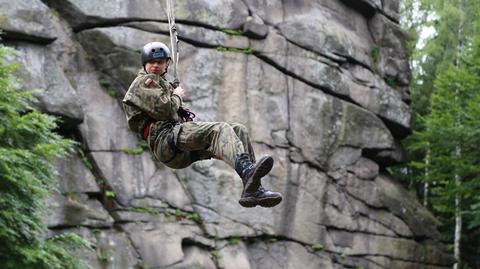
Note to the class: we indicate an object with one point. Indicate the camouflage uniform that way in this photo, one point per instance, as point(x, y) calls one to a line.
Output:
point(152, 110)
point(150, 99)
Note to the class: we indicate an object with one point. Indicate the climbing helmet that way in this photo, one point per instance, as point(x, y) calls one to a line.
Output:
point(155, 50)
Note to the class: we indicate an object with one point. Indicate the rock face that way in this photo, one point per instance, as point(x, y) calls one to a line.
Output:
point(321, 86)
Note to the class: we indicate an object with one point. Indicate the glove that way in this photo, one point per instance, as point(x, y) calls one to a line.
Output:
point(185, 114)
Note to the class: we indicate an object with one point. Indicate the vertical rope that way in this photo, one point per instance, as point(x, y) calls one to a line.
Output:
point(173, 39)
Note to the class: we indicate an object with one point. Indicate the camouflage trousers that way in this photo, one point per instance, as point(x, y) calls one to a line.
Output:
point(204, 140)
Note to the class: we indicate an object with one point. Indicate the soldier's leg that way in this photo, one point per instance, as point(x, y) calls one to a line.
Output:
point(199, 155)
point(219, 138)
point(242, 132)
point(262, 197)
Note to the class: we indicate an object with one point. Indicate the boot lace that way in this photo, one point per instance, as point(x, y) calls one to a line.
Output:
point(243, 165)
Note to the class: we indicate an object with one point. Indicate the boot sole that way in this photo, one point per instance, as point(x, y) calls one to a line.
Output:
point(265, 202)
point(265, 164)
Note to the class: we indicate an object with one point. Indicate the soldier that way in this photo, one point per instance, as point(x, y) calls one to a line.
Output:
point(154, 110)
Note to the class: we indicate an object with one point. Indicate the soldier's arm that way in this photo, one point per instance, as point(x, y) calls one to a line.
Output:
point(158, 102)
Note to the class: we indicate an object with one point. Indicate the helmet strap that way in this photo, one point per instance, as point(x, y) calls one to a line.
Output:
point(166, 68)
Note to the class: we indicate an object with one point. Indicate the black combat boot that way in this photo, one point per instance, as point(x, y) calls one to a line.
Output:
point(252, 173)
point(260, 197)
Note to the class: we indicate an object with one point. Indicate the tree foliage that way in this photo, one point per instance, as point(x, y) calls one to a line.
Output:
point(27, 146)
point(446, 104)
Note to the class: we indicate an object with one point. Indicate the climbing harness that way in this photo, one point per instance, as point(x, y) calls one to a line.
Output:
point(173, 40)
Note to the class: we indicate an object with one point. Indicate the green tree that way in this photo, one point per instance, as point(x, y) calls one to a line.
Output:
point(444, 158)
point(453, 125)
point(27, 147)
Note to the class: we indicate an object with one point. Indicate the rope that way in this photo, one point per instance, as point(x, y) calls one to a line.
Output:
point(173, 39)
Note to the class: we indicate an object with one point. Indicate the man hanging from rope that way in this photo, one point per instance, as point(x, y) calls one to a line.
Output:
point(153, 107)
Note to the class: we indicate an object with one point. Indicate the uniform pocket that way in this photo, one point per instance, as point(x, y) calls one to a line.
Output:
point(163, 151)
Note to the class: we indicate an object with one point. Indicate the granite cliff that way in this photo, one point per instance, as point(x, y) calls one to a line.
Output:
point(322, 86)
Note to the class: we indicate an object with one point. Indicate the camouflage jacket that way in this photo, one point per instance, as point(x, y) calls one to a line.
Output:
point(150, 98)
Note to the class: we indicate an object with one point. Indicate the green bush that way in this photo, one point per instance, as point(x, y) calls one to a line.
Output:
point(27, 147)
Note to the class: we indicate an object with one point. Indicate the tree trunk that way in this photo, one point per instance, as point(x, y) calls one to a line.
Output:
point(427, 176)
point(458, 231)
point(458, 149)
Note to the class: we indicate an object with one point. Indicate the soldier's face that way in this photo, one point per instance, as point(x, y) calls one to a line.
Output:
point(157, 66)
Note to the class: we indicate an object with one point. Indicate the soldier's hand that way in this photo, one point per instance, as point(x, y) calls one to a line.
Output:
point(180, 91)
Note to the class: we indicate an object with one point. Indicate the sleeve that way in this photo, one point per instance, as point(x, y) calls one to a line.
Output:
point(158, 102)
